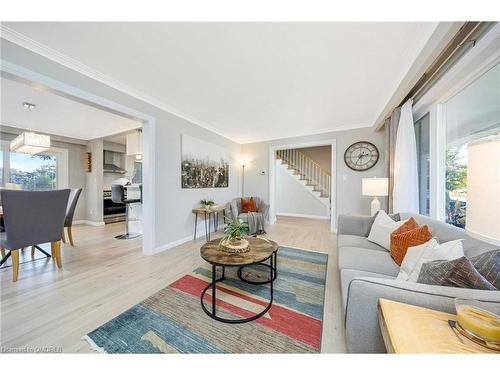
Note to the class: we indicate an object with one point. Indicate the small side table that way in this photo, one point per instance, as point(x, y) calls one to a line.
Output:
point(208, 213)
point(413, 329)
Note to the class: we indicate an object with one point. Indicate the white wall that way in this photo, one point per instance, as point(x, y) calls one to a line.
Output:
point(293, 198)
point(349, 199)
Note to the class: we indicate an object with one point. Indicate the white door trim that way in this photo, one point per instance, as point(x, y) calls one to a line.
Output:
point(272, 177)
point(149, 130)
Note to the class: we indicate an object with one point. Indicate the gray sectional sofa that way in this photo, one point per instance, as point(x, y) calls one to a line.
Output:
point(368, 273)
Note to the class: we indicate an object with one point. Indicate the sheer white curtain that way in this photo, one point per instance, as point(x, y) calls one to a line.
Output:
point(405, 192)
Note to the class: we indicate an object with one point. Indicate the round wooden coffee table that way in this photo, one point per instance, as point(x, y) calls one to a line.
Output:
point(260, 250)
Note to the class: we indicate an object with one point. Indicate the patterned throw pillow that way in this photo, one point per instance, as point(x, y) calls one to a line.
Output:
point(248, 205)
point(488, 265)
point(402, 239)
point(458, 273)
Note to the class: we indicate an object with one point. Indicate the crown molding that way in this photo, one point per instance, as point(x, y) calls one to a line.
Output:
point(68, 62)
point(327, 131)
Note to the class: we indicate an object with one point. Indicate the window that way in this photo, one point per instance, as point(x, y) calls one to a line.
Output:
point(44, 171)
point(33, 172)
point(472, 115)
point(422, 136)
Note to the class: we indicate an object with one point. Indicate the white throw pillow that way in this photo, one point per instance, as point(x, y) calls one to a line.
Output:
point(382, 228)
point(412, 257)
point(430, 251)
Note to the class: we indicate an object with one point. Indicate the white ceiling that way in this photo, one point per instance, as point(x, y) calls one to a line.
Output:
point(248, 81)
point(56, 115)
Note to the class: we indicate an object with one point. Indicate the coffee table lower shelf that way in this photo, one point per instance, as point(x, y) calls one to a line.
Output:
point(213, 287)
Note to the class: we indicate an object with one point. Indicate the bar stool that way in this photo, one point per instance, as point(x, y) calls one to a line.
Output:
point(118, 196)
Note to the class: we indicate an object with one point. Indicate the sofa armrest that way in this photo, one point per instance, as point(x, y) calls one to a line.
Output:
point(228, 211)
point(354, 225)
point(361, 316)
point(264, 209)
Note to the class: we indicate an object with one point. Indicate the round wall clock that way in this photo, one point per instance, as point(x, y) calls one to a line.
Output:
point(361, 156)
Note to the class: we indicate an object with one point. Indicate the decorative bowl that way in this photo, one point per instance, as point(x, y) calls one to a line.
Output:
point(477, 319)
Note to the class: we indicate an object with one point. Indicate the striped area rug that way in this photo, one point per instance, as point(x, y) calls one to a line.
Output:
point(172, 321)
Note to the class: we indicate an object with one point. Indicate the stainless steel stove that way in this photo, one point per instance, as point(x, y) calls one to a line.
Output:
point(112, 212)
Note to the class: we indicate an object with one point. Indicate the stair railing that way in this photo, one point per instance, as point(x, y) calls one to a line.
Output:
point(308, 169)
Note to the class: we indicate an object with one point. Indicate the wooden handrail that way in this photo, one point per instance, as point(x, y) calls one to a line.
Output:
point(315, 173)
point(316, 164)
point(312, 161)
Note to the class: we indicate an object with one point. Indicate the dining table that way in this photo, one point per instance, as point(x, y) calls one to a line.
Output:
point(7, 256)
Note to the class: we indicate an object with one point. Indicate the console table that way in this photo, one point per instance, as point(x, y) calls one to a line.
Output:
point(413, 329)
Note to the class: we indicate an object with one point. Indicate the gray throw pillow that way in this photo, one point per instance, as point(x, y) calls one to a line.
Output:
point(488, 265)
point(458, 273)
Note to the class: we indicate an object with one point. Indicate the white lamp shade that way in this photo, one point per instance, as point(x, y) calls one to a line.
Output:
point(375, 187)
point(483, 189)
point(30, 143)
point(134, 143)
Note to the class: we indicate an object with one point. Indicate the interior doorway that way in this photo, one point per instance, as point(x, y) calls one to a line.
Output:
point(63, 90)
point(302, 181)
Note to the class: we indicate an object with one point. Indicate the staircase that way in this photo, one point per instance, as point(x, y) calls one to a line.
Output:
point(307, 172)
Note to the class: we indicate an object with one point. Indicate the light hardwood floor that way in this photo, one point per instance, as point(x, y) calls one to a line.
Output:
point(102, 277)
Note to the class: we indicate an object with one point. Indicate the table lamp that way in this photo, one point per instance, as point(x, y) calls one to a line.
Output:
point(375, 187)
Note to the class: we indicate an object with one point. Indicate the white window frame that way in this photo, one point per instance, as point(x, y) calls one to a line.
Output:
point(433, 103)
point(62, 164)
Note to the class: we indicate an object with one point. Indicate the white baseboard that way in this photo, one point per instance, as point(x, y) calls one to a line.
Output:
point(304, 216)
point(199, 234)
point(172, 244)
point(88, 222)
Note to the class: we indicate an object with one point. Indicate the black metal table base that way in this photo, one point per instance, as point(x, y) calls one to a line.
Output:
point(213, 286)
point(211, 215)
point(7, 256)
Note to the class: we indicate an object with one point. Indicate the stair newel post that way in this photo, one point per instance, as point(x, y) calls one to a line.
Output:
point(301, 165)
point(321, 184)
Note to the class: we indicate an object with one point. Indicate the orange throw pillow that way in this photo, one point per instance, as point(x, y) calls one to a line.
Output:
point(401, 241)
point(248, 205)
point(409, 224)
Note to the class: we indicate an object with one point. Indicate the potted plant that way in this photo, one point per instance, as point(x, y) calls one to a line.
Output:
point(207, 203)
point(233, 240)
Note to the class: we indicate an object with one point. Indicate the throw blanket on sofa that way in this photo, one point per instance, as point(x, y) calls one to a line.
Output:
point(256, 222)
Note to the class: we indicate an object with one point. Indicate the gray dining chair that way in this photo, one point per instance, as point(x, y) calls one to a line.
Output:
point(33, 217)
point(70, 212)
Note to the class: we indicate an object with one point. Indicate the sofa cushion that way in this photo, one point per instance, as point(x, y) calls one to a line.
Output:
point(344, 240)
point(369, 260)
point(347, 275)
